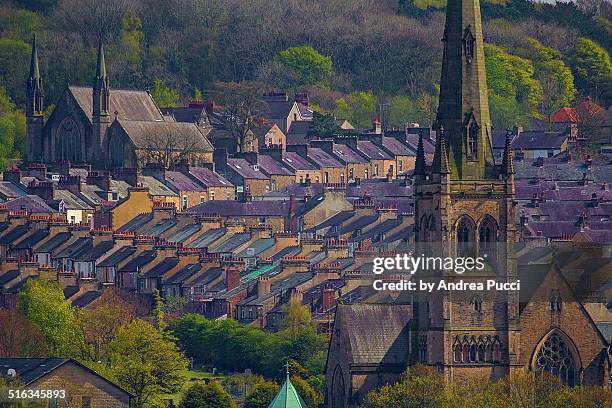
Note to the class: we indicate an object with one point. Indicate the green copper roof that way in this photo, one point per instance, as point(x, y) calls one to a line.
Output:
point(256, 273)
point(287, 397)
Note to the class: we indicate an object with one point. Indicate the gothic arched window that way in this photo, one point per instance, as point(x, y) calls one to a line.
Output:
point(469, 44)
point(481, 354)
point(472, 140)
point(338, 389)
point(465, 230)
point(458, 351)
point(487, 233)
point(555, 357)
point(69, 141)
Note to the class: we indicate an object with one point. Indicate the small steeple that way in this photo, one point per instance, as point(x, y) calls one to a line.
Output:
point(507, 164)
point(34, 89)
point(287, 396)
point(101, 66)
point(419, 165)
point(101, 91)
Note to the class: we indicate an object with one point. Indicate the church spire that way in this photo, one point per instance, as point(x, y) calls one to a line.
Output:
point(419, 165)
point(101, 92)
point(464, 107)
point(34, 86)
point(507, 164)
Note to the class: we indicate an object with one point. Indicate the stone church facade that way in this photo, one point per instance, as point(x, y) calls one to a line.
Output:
point(88, 125)
point(464, 206)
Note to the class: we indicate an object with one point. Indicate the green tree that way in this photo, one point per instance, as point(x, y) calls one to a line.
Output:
point(44, 304)
point(511, 76)
point(296, 317)
point(145, 362)
point(15, 57)
point(359, 108)
point(211, 395)
point(323, 125)
point(555, 77)
point(402, 110)
point(158, 316)
point(309, 66)
point(163, 95)
point(311, 396)
point(593, 69)
point(261, 395)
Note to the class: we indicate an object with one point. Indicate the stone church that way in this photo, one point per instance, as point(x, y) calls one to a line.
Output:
point(107, 128)
point(464, 206)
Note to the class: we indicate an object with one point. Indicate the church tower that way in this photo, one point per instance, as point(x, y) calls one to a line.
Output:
point(34, 108)
point(101, 100)
point(464, 208)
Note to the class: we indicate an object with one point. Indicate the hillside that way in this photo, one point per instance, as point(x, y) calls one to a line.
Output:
point(364, 57)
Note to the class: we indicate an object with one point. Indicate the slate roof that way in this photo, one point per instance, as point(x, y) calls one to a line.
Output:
point(279, 109)
point(245, 169)
point(347, 154)
point(80, 245)
point(336, 219)
point(35, 237)
point(181, 182)
point(204, 277)
point(30, 203)
point(156, 187)
point(164, 266)
point(135, 223)
point(539, 140)
point(381, 228)
point(183, 274)
point(257, 247)
point(13, 234)
point(412, 140)
point(208, 177)
point(237, 208)
point(232, 243)
point(323, 159)
point(95, 252)
point(8, 276)
point(70, 291)
point(371, 151)
point(297, 162)
point(138, 262)
point(87, 298)
point(71, 201)
point(131, 105)
point(117, 257)
point(11, 190)
point(54, 242)
point(377, 333)
point(160, 227)
point(272, 167)
point(207, 238)
point(309, 205)
point(396, 147)
point(184, 136)
point(185, 232)
point(377, 189)
point(355, 225)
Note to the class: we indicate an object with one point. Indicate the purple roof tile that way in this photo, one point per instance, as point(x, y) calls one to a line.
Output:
point(208, 177)
point(297, 162)
point(323, 159)
point(396, 147)
point(347, 155)
point(272, 167)
point(229, 208)
point(245, 169)
point(181, 182)
point(371, 151)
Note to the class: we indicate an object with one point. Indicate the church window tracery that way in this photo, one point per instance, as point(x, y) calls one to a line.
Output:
point(472, 140)
point(469, 44)
point(555, 357)
point(69, 141)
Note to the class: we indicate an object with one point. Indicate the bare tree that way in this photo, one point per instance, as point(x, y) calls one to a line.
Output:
point(168, 147)
point(242, 109)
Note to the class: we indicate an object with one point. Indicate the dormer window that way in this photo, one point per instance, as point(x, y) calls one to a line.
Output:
point(468, 44)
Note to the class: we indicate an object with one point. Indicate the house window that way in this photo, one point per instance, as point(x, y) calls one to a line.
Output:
point(316, 179)
point(72, 219)
point(262, 220)
point(375, 174)
point(185, 202)
point(228, 196)
point(212, 195)
point(366, 173)
point(86, 402)
point(350, 174)
point(400, 166)
point(342, 178)
point(326, 179)
point(202, 199)
point(273, 185)
point(301, 179)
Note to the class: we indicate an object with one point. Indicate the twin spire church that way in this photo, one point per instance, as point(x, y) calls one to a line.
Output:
point(104, 127)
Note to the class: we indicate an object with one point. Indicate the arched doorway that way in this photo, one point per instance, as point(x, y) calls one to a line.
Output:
point(557, 355)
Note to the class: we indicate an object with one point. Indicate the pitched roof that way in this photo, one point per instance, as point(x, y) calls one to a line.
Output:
point(141, 260)
point(347, 154)
point(540, 140)
point(297, 162)
point(377, 333)
point(71, 201)
point(86, 298)
point(209, 178)
point(245, 169)
point(9, 276)
point(130, 105)
point(181, 182)
point(11, 190)
point(156, 187)
point(232, 243)
point(14, 234)
point(80, 245)
point(95, 252)
point(564, 115)
point(34, 238)
point(54, 242)
point(279, 109)
point(186, 272)
point(118, 256)
point(371, 151)
point(184, 136)
point(272, 167)
point(322, 158)
point(287, 397)
point(30, 203)
point(164, 266)
point(207, 238)
point(236, 208)
point(396, 147)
